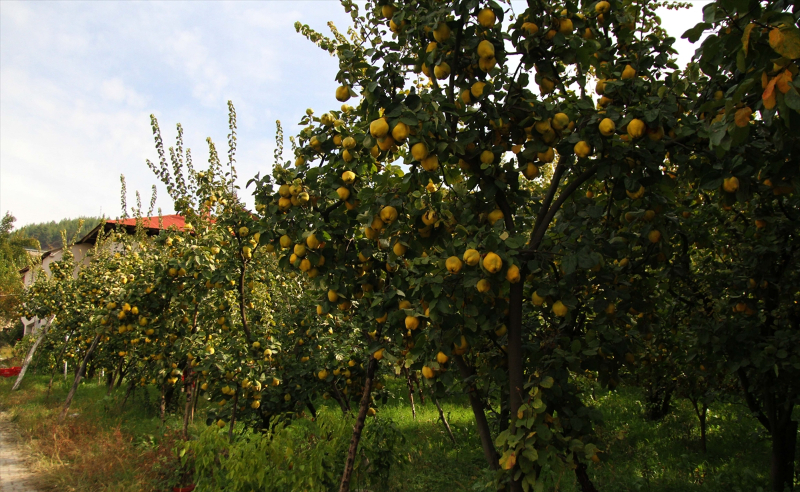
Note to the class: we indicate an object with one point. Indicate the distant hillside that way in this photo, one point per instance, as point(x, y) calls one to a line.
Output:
point(49, 233)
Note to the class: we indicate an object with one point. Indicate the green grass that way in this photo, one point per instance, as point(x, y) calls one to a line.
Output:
point(101, 446)
point(434, 463)
point(665, 456)
point(105, 447)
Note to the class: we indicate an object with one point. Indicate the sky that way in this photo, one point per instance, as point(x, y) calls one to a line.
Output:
point(79, 81)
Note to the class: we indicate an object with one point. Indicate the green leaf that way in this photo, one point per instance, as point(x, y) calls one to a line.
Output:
point(531, 454)
point(547, 382)
point(569, 264)
point(741, 64)
point(710, 12)
point(792, 99)
point(694, 33)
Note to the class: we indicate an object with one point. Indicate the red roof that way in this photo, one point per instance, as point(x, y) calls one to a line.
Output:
point(152, 222)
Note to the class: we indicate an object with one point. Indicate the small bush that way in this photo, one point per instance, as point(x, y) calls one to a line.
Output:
point(306, 455)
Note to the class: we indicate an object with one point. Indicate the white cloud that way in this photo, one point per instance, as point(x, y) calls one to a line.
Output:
point(78, 86)
point(115, 90)
point(80, 79)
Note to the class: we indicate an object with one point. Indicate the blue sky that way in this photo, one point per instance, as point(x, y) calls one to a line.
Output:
point(78, 81)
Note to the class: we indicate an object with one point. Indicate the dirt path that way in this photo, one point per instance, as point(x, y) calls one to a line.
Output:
point(15, 475)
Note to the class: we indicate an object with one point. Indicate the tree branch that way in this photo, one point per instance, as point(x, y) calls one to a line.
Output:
point(538, 233)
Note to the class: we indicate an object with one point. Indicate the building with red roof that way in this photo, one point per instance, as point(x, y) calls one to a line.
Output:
point(80, 250)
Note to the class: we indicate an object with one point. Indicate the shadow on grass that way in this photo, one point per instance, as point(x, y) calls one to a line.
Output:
point(102, 447)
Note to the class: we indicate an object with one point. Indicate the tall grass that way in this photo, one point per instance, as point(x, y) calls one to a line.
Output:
point(102, 447)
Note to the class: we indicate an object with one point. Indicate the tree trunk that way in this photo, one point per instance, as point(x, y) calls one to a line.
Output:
point(29, 357)
point(703, 415)
point(163, 404)
point(784, 443)
point(123, 371)
point(242, 311)
point(109, 382)
point(337, 395)
point(583, 477)
point(410, 393)
point(701, 410)
point(516, 376)
point(113, 375)
point(77, 381)
point(487, 443)
point(55, 366)
point(312, 409)
point(778, 421)
point(131, 388)
point(658, 401)
point(235, 404)
point(344, 486)
point(419, 388)
point(196, 397)
point(443, 419)
point(187, 408)
point(504, 418)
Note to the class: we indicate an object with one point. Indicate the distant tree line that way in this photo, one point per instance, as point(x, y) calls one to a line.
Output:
point(49, 233)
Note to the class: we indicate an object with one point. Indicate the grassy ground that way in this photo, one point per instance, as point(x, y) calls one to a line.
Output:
point(104, 448)
point(665, 456)
point(99, 447)
point(434, 463)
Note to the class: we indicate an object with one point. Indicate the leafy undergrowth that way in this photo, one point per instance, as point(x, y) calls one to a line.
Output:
point(102, 447)
point(99, 447)
point(665, 456)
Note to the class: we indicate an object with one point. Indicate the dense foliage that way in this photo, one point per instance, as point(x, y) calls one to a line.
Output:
point(482, 222)
point(13, 257)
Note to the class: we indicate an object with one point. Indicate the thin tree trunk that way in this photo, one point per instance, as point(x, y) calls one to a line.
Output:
point(55, 366)
point(123, 371)
point(312, 409)
point(516, 375)
point(113, 375)
point(233, 414)
point(194, 402)
point(783, 431)
point(487, 443)
point(582, 477)
point(29, 357)
point(242, 310)
point(344, 486)
point(189, 384)
point(419, 388)
point(410, 392)
point(77, 381)
point(131, 388)
point(703, 446)
point(109, 382)
point(163, 404)
point(784, 443)
point(443, 419)
point(337, 395)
